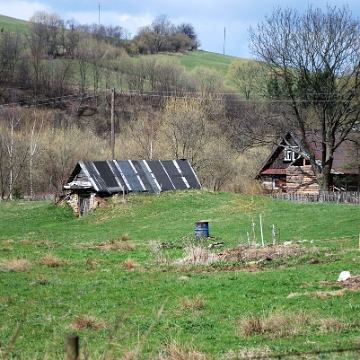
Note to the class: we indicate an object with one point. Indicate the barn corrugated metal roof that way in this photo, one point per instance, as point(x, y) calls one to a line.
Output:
point(118, 176)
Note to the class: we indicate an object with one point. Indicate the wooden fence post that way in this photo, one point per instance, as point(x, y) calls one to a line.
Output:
point(72, 347)
point(279, 240)
point(273, 236)
point(261, 231)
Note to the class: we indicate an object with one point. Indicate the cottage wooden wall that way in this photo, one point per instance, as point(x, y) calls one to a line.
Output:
point(301, 180)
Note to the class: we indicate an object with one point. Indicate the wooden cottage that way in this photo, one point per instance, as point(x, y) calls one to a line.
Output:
point(92, 181)
point(286, 171)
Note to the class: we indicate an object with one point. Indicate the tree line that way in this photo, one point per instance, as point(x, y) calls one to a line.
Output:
point(40, 148)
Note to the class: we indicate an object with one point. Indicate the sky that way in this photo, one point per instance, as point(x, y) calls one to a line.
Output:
point(221, 25)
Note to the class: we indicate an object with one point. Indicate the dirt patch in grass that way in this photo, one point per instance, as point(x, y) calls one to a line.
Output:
point(318, 293)
point(352, 283)
point(82, 322)
point(237, 258)
point(259, 254)
point(40, 242)
point(120, 244)
point(213, 268)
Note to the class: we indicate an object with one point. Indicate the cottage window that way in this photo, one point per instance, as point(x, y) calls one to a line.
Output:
point(290, 155)
point(279, 183)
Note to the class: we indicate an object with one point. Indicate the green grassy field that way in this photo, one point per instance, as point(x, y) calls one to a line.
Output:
point(193, 59)
point(118, 277)
point(9, 24)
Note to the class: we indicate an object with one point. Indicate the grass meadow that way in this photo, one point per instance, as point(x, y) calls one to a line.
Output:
point(129, 280)
point(12, 25)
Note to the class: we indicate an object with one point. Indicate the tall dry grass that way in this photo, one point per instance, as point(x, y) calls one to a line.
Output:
point(50, 260)
point(197, 255)
point(15, 265)
point(175, 351)
point(82, 322)
point(276, 325)
point(192, 303)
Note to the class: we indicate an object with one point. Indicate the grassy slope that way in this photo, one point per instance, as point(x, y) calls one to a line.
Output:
point(93, 281)
point(193, 59)
point(12, 25)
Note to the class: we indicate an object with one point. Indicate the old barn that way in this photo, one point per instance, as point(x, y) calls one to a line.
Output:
point(92, 181)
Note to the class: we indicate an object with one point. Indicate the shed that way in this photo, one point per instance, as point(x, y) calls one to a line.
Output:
point(92, 181)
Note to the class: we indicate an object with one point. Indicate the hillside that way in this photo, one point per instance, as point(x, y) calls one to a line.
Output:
point(67, 75)
point(131, 278)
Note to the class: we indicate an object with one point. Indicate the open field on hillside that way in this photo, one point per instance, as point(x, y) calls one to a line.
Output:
point(209, 60)
point(130, 278)
point(9, 24)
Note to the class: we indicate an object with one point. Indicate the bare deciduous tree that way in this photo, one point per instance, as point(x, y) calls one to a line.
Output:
point(247, 77)
point(315, 59)
point(16, 150)
point(34, 139)
point(46, 27)
point(10, 48)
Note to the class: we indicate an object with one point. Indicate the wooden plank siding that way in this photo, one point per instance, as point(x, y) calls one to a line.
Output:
point(301, 180)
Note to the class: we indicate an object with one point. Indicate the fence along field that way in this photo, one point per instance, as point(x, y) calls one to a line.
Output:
point(341, 197)
point(105, 277)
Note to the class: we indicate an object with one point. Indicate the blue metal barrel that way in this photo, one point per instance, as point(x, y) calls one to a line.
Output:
point(201, 229)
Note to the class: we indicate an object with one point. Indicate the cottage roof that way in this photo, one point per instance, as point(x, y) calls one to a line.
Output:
point(117, 176)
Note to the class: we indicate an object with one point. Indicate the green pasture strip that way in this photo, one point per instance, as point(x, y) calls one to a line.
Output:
point(170, 217)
